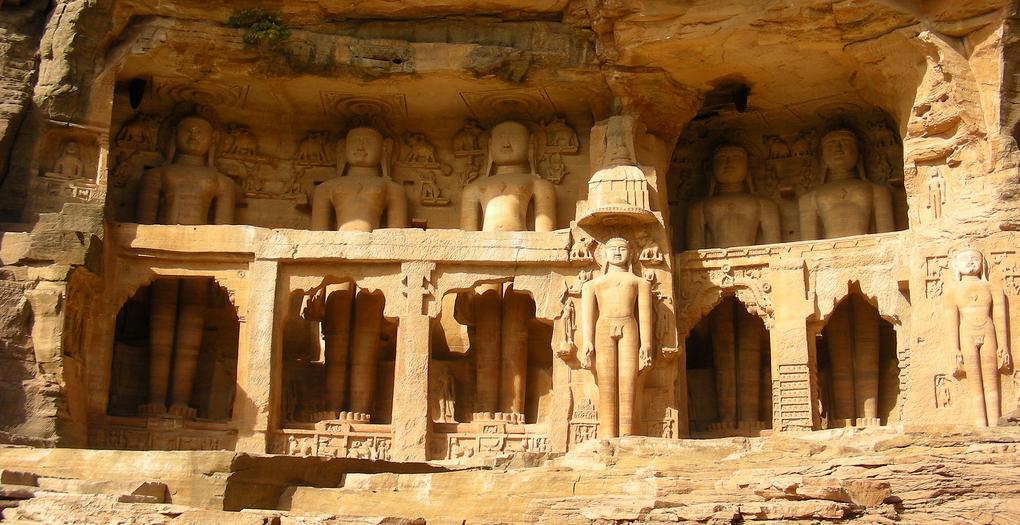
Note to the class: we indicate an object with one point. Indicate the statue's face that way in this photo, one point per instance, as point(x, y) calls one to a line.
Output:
point(969, 262)
point(618, 252)
point(839, 150)
point(363, 147)
point(509, 144)
point(194, 136)
point(729, 165)
point(71, 148)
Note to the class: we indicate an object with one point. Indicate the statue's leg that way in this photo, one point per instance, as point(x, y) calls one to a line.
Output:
point(724, 362)
point(514, 369)
point(627, 366)
point(488, 330)
point(990, 376)
point(865, 352)
point(841, 364)
point(336, 328)
point(368, 318)
point(606, 377)
point(748, 368)
point(162, 322)
point(975, 381)
point(194, 299)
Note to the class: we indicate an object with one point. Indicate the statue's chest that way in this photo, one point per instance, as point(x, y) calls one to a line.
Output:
point(972, 296)
point(355, 192)
point(731, 209)
point(501, 188)
point(844, 194)
point(189, 182)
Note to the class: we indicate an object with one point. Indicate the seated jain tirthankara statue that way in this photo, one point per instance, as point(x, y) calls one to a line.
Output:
point(731, 215)
point(362, 190)
point(503, 193)
point(977, 319)
point(617, 326)
point(181, 192)
point(846, 203)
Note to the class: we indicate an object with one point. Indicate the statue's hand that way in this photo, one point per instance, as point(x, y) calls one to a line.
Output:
point(645, 357)
point(958, 373)
point(1005, 361)
point(585, 356)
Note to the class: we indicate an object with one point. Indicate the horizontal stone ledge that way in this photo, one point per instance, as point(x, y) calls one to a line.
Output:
point(383, 245)
point(874, 247)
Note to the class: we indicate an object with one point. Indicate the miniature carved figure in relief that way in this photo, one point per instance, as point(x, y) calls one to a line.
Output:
point(418, 151)
point(977, 320)
point(846, 203)
point(732, 215)
point(312, 149)
point(240, 142)
point(444, 397)
point(936, 193)
point(362, 192)
point(468, 146)
point(503, 194)
point(181, 192)
point(617, 324)
point(580, 249)
point(351, 339)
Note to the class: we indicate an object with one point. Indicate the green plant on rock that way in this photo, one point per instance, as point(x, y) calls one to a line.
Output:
point(264, 27)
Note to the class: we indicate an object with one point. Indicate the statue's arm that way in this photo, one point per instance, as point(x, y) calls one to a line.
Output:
point(884, 221)
point(320, 207)
point(1001, 318)
point(147, 210)
point(696, 227)
point(226, 202)
point(469, 203)
point(771, 230)
point(545, 206)
point(951, 314)
point(588, 313)
point(808, 217)
point(396, 208)
point(646, 322)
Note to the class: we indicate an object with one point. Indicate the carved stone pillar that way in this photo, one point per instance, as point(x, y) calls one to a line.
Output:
point(794, 394)
point(258, 366)
point(410, 422)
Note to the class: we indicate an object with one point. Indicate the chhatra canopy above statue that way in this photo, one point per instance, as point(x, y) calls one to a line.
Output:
point(618, 191)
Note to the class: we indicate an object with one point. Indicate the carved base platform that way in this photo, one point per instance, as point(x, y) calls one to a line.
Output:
point(481, 439)
point(161, 433)
point(336, 439)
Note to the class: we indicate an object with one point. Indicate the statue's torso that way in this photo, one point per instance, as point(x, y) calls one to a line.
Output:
point(974, 300)
point(732, 219)
point(616, 294)
point(188, 192)
point(359, 202)
point(845, 207)
point(504, 200)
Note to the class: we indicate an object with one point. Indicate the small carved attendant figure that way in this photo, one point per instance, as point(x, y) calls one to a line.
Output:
point(358, 196)
point(69, 165)
point(617, 322)
point(733, 216)
point(847, 203)
point(507, 186)
point(189, 186)
point(976, 317)
point(936, 193)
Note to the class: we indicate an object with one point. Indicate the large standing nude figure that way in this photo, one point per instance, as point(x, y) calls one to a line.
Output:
point(502, 195)
point(356, 200)
point(617, 326)
point(733, 216)
point(181, 192)
point(977, 320)
point(848, 204)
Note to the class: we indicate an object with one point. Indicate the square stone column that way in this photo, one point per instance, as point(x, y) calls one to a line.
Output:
point(256, 392)
point(794, 394)
point(410, 422)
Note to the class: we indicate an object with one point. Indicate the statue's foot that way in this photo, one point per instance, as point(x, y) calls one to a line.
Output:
point(183, 411)
point(152, 410)
point(323, 415)
point(841, 423)
point(355, 417)
point(863, 422)
point(482, 416)
point(509, 417)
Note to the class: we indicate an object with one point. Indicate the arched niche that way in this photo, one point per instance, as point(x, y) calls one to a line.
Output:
point(167, 317)
point(338, 355)
point(489, 336)
point(857, 365)
point(728, 362)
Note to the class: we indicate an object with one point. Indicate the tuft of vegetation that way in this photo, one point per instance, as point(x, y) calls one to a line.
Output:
point(264, 27)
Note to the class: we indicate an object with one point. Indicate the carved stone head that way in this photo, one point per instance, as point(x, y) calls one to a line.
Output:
point(509, 144)
point(617, 253)
point(363, 147)
point(840, 152)
point(194, 136)
point(970, 262)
